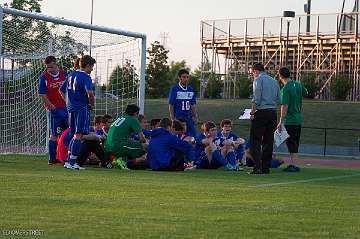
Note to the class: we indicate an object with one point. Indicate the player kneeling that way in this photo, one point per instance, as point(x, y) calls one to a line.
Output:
point(119, 142)
point(166, 152)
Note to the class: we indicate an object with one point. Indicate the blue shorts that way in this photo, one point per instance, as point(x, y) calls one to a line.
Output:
point(80, 121)
point(203, 162)
point(58, 121)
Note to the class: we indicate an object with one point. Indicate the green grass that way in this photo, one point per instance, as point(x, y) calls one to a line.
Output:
point(330, 114)
point(98, 203)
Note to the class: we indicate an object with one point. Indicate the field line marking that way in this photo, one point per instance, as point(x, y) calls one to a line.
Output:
point(305, 181)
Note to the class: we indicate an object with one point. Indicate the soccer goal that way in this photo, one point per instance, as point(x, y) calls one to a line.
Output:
point(26, 38)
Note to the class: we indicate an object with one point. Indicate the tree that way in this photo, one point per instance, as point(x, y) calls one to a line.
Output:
point(157, 73)
point(123, 80)
point(340, 87)
point(311, 84)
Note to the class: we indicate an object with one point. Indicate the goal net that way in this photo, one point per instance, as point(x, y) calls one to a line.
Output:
point(27, 39)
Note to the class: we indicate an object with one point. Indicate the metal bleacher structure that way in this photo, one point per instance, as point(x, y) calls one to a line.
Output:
point(328, 48)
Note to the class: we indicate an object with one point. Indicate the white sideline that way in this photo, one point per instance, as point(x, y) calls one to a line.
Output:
point(305, 181)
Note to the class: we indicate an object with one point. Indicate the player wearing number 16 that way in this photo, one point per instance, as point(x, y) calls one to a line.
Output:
point(182, 102)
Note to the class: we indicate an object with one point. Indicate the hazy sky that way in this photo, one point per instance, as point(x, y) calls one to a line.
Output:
point(180, 19)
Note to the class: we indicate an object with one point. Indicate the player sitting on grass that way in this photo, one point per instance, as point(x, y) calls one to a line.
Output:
point(119, 142)
point(166, 152)
point(232, 147)
point(154, 123)
point(98, 126)
point(208, 155)
point(179, 129)
point(144, 125)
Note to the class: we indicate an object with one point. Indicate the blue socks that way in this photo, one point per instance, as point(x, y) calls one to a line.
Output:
point(217, 156)
point(52, 150)
point(231, 158)
point(75, 147)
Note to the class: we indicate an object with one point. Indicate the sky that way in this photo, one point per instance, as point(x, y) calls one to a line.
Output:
point(180, 19)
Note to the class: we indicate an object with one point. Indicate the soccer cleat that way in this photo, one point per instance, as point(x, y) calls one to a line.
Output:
point(189, 167)
point(229, 167)
point(77, 167)
point(120, 164)
point(67, 165)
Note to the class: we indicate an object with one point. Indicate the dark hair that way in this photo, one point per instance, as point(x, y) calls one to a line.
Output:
point(225, 122)
point(86, 60)
point(97, 120)
point(176, 124)
point(50, 59)
point(154, 122)
point(132, 109)
point(183, 71)
point(258, 66)
point(77, 63)
point(207, 126)
point(141, 117)
point(165, 122)
point(182, 120)
point(284, 72)
point(105, 118)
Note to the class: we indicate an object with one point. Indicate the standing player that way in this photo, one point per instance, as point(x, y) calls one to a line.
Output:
point(49, 84)
point(80, 101)
point(291, 114)
point(182, 102)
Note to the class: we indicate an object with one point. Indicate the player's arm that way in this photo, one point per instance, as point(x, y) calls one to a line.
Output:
point(283, 109)
point(90, 93)
point(43, 93)
point(194, 114)
point(171, 112)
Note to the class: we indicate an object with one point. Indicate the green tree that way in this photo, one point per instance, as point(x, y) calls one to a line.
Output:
point(340, 87)
point(311, 84)
point(158, 81)
point(123, 80)
point(214, 87)
point(174, 68)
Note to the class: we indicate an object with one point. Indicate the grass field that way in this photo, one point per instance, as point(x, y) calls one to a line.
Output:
point(329, 114)
point(98, 203)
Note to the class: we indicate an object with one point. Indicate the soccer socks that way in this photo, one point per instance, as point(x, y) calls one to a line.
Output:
point(52, 150)
point(231, 158)
point(217, 156)
point(74, 150)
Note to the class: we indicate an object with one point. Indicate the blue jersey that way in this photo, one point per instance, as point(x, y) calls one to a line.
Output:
point(98, 132)
point(220, 138)
point(77, 86)
point(182, 99)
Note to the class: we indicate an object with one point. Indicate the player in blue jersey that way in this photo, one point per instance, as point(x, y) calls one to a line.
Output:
point(182, 101)
point(49, 84)
point(80, 101)
point(232, 147)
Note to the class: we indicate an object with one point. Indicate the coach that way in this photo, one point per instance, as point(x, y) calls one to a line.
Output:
point(266, 98)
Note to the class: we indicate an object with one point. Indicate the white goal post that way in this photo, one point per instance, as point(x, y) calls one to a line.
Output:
point(26, 38)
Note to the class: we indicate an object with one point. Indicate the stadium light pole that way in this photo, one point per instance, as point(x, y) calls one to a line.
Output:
point(289, 16)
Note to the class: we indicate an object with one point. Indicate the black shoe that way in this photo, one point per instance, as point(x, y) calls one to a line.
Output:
point(255, 171)
point(265, 171)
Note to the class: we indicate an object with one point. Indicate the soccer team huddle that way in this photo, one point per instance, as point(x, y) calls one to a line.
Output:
point(126, 142)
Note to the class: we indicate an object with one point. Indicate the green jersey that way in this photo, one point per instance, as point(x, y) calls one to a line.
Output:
point(121, 130)
point(291, 95)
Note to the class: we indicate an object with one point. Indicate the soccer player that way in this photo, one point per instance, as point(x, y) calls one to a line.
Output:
point(119, 142)
point(291, 114)
point(208, 154)
point(232, 146)
point(166, 152)
point(49, 84)
point(182, 102)
point(98, 126)
point(80, 101)
point(62, 151)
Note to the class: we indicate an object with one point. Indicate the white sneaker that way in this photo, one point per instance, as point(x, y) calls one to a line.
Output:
point(67, 165)
point(77, 167)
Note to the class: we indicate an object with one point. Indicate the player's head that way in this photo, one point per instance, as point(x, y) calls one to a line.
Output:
point(177, 127)
point(209, 128)
point(132, 110)
point(77, 64)
point(166, 123)
point(284, 74)
point(183, 123)
point(107, 121)
point(143, 121)
point(51, 65)
point(87, 63)
point(97, 121)
point(257, 69)
point(183, 76)
point(155, 123)
point(226, 125)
